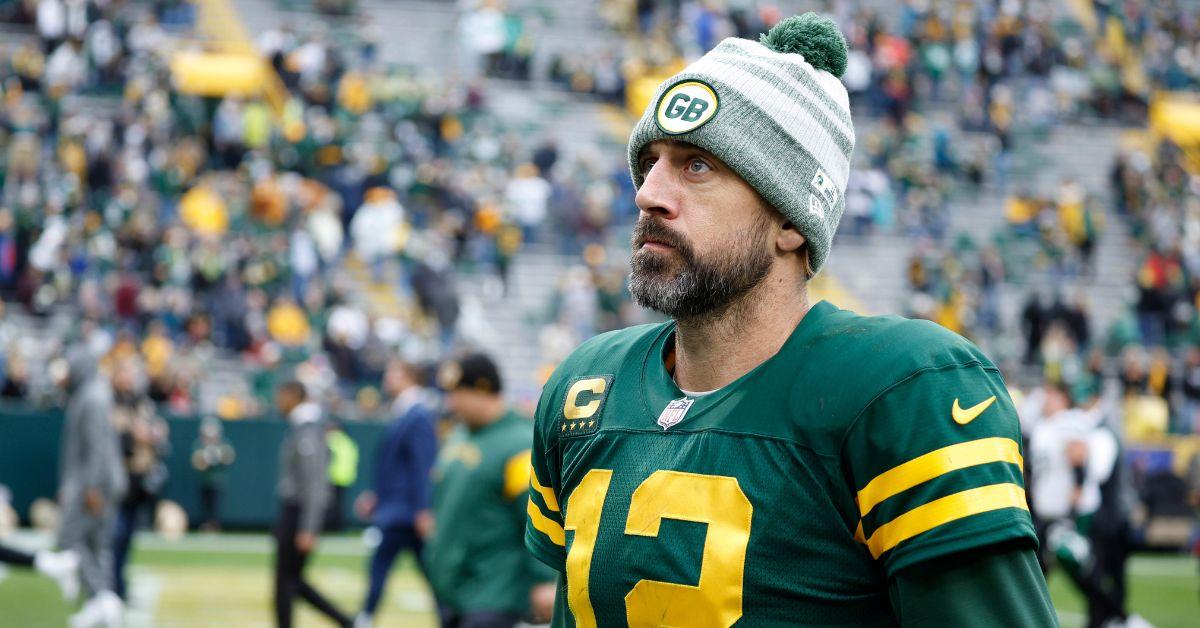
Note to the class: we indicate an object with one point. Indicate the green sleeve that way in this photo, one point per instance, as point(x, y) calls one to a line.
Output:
point(996, 586)
point(544, 534)
point(535, 567)
point(539, 572)
point(935, 465)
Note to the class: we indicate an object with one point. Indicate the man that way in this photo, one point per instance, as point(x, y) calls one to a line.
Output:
point(143, 438)
point(303, 493)
point(212, 455)
point(477, 565)
point(1077, 501)
point(91, 484)
point(760, 459)
point(1109, 527)
point(399, 505)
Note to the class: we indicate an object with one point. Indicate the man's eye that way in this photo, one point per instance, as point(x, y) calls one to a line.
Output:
point(646, 165)
point(698, 166)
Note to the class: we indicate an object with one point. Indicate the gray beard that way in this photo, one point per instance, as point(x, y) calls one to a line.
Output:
point(699, 288)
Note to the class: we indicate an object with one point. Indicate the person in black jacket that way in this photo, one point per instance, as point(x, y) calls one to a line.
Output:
point(399, 505)
point(303, 492)
point(144, 446)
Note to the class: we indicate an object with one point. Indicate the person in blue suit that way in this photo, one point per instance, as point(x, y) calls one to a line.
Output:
point(399, 504)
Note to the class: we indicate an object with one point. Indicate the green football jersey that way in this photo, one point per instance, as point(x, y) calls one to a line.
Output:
point(475, 560)
point(865, 446)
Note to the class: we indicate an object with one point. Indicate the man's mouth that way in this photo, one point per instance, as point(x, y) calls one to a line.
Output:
point(656, 244)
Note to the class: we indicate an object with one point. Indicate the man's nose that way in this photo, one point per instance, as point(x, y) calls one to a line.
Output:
point(659, 193)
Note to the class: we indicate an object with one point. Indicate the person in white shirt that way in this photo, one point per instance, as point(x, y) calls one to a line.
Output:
point(375, 229)
point(1075, 497)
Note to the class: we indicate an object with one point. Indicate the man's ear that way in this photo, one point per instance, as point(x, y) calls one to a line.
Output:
point(789, 238)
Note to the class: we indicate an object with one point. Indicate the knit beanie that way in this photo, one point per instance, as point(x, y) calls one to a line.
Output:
point(776, 113)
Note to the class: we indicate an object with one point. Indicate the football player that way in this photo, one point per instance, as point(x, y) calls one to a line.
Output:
point(760, 460)
point(478, 570)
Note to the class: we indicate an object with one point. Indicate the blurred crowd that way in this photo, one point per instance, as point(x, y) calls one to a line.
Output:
point(185, 228)
point(990, 58)
point(334, 231)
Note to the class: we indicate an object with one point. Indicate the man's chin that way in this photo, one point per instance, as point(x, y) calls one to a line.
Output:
point(659, 275)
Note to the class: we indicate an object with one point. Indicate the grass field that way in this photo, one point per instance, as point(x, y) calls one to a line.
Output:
point(225, 581)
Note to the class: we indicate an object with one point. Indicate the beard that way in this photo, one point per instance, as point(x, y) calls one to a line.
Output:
point(693, 287)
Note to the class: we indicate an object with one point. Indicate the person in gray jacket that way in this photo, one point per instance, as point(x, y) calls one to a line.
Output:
point(304, 492)
point(91, 484)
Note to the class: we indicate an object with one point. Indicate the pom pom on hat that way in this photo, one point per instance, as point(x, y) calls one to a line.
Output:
point(816, 38)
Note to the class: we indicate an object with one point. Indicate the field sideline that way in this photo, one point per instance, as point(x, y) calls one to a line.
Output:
point(175, 582)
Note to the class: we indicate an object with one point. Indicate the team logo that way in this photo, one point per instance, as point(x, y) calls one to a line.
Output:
point(962, 417)
point(674, 413)
point(826, 190)
point(465, 453)
point(686, 107)
point(825, 186)
point(583, 404)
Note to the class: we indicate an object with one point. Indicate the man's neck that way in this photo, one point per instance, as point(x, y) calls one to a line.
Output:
point(711, 352)
point(405, 395)
point(304, 413)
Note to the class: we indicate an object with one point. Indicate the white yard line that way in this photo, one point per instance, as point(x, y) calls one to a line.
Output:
point(244, 544)
point(1068, 619)
point(144, 590)
point(1163, 566)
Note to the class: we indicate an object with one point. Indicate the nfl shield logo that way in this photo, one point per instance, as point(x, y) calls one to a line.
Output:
point(674, 412)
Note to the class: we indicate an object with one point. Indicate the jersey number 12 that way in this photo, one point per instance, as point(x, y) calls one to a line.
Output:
point(716, 500)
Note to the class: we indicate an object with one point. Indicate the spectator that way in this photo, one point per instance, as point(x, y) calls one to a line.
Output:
point(484, 36)
point(212, 456)
point(527, 194)
point(16, 378)
point(375, 229)
point(288, 324)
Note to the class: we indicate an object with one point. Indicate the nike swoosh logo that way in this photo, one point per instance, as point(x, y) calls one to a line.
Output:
point(962, 417)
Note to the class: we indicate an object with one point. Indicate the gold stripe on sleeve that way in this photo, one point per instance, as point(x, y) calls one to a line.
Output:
point(543, 524)
point(547, 494)
point(937, 462)
point(945, 510)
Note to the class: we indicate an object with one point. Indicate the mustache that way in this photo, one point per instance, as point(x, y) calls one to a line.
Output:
point(651, 230)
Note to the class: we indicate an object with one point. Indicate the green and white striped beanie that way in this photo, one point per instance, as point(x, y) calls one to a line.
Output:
point(776, 112)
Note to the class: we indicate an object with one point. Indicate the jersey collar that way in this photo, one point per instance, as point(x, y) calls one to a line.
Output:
point(660, 388)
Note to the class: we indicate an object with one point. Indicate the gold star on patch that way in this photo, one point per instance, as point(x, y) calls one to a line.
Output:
point(564, 427)
point(592, 423)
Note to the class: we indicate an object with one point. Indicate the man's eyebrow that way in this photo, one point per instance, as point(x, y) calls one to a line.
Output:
point(674, 143)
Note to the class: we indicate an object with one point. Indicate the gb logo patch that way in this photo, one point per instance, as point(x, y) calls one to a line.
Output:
point(686, 106)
